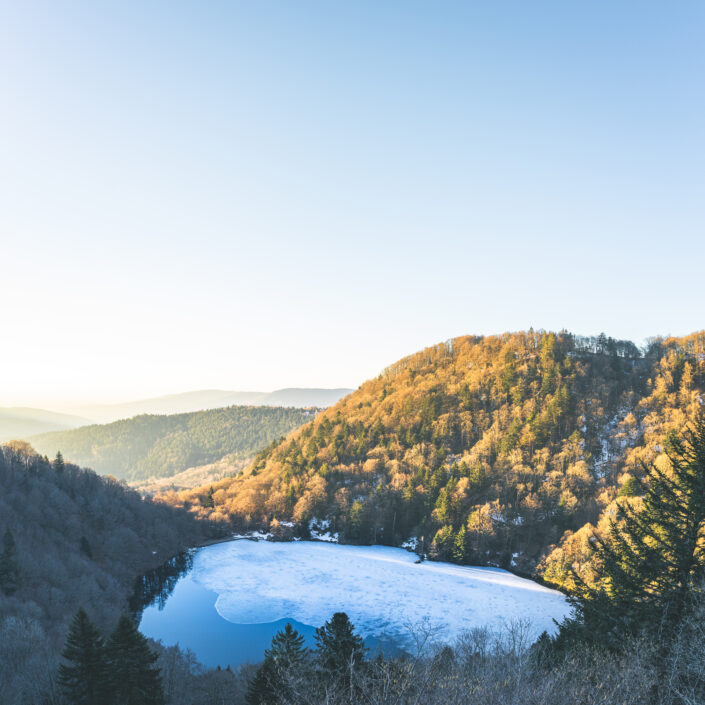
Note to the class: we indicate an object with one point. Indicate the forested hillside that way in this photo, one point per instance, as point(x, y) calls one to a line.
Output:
point(490, 450)
point(158, 446)
point(70, 539)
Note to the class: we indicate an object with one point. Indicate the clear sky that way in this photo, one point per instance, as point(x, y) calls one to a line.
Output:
point(252, 195)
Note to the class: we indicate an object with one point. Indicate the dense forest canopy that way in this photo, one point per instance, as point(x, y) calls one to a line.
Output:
point(502, 450)
point(80, 539)
point(71, 539)
point(159, 446)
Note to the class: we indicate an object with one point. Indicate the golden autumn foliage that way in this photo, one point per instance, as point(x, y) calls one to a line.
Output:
point(496, 450)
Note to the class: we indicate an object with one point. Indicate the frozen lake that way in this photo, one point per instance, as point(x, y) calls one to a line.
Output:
point(238, 594)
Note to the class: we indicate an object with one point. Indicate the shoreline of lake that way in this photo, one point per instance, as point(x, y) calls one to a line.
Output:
point(226, 600)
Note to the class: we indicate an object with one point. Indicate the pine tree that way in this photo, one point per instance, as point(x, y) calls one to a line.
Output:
point(9, 567)
point(133, 677)
point(287, 647)
point(282, 663)
point(461, 546)
point(653, 560)
point(59, 464)
point(443, 542)
point(338, 646)
point(259, 690)
point(84, 681)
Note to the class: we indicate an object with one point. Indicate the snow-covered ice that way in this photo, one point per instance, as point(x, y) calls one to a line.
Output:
point(382, 589)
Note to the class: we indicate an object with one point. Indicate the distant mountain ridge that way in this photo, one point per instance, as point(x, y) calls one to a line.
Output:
point(20, 421)
point(203, 399)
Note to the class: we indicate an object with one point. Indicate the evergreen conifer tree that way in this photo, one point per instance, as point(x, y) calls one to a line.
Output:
point(258, 689)
point(59, 464)
point(9, 567)
point(282, 662)
point(461, 546)
point(287, 647)
point(133, 677)
point(652, 563)
point(338, 646)
point(85, 680)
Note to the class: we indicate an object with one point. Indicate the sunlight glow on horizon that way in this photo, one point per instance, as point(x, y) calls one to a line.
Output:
point(242, 196)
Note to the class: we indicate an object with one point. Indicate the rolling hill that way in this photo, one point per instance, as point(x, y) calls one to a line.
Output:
point(500, 450)
point(20, 422)
point(157, 446)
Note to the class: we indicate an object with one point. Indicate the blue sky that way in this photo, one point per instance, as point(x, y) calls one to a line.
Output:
point(250, 195)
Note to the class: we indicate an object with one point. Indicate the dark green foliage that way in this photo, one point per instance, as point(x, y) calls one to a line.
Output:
point(444, 543)
point(259, 692)
point(287, 648)
point(9, 567)
point(359, 528)
point(86, 548)
point(158, 446)
point(288, 674)
point(652, 563)
point(630, 488)
point(543, 650)
point(461, 546)
point(84, 679)
point(282, 664)
point(121, 672)
point(132, 676)
point(59, 464)
point(339, 648)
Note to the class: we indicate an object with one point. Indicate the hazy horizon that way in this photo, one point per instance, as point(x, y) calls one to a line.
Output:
point(258, 196)
point(70, 405)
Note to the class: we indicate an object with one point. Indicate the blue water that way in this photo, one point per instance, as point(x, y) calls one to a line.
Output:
point(187, 616)
point(189, 619)
point(383, 590)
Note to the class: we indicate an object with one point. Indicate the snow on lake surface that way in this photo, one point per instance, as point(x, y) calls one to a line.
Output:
point(382, 589)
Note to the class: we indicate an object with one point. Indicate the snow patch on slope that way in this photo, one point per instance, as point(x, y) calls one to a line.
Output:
point(320, 531)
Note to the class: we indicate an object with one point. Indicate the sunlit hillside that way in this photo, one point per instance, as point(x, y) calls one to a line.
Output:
point(489, 450)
